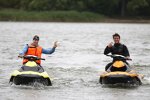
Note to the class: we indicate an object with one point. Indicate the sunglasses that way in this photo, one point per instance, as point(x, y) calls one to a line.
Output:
point(36, 39)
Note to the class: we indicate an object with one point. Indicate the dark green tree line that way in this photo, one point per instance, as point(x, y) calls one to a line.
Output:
point(106, 7)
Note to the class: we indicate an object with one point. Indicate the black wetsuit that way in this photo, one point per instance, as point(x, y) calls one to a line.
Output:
point(119, 49)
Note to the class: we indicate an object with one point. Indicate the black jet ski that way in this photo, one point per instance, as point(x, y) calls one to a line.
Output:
point(120, 72)
point(30, 73)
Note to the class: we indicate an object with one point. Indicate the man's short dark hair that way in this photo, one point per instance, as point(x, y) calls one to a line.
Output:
point(116, 34)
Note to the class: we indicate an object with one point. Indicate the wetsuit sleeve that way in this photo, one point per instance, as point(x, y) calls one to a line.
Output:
point(24, 50)
point(48, 51)
point(126, 52)
point(107, 50)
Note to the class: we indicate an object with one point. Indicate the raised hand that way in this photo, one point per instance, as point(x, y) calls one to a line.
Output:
point(110, 44)
point(55, 44)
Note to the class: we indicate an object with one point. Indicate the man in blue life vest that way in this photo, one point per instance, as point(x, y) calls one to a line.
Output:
point(117, 48)
point(36, 50)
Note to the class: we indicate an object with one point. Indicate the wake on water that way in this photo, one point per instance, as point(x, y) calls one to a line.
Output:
point(81, 77)
point(144, 71)
point(35, 85)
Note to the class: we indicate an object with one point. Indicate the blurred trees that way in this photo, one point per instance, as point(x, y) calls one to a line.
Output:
point(106, 7)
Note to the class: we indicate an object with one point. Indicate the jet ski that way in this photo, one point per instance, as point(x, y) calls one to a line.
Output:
point(30, 73)
point(120, 73)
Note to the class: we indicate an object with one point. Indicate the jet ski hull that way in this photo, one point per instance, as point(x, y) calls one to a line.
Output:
point(29, 77)
point(119, 71)
point(120, 78)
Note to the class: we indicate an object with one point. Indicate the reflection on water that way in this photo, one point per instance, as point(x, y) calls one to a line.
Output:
point(77, 63)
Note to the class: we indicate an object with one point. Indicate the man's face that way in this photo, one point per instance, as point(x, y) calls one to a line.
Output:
point(116, 39)
point(35, 42)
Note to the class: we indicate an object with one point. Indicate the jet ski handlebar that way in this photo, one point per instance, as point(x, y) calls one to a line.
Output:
point(119, 57)
point(31, 57)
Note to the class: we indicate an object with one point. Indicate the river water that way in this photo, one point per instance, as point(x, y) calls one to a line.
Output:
point(78, 61)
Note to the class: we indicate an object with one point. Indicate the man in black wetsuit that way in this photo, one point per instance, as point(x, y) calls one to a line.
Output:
point(117, 48)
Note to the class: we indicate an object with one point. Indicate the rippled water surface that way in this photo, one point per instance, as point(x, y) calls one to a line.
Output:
point(78, 61)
